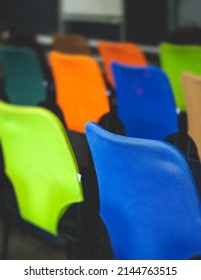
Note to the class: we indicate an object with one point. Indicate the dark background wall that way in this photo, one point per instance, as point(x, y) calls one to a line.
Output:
point(38, 16)
point(146, 20)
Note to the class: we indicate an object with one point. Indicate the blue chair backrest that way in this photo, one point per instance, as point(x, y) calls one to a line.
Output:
point(148, 199)
point(145, 102)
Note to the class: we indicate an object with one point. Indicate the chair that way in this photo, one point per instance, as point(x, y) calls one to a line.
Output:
point(125, 53)
point(40, 164)
point(148, 199)
point(176, 59)
point(28, 40)
point(71, 44)
point(192, 92)
point(80, 89)
point(23, 79)
point(145, 103)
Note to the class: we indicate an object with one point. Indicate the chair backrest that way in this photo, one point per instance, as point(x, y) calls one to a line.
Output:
point(125, 53)
point(176, 59)
point(145, 102)
point(192, 92)
point(40, 163)
point(80, 89)
point(71, 44)
point(28, 40)
point(23, 78)
point(148, 199)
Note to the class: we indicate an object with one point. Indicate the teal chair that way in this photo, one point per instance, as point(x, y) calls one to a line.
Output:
point(22, 76)
point(40, 164)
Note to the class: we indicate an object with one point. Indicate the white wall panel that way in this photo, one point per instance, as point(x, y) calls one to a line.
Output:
point(92, 7)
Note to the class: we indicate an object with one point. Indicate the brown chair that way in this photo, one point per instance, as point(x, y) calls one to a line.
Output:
point(72, 44)
point(192, 92)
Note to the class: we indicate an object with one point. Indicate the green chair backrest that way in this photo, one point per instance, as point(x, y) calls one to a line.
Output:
point(23, 78)
point(176, 59)
point(40, 163)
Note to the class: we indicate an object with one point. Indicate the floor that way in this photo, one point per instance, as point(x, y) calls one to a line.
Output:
point(23, 246)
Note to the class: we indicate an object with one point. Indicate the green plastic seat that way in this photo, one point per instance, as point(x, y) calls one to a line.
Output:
point(40, 163)
point(176, 59)
point(23, 78)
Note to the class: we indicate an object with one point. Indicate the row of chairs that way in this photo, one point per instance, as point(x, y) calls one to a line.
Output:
point(174, 58)
point(17, 80)
point(148, 73)
point(78, 44)
point(108, 50)
point(148, 199)
point(18, 83)
point(145, 159)
point(73, 103)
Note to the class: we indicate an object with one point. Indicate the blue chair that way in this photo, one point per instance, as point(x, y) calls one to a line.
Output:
point(145, 102)
point(148, 199)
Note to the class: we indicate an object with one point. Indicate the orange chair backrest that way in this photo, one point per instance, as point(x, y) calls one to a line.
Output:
point(192, 92)
point(80, 89)
point(125, 53)
point(71, 44)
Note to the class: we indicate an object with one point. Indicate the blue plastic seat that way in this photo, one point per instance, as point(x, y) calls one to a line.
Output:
point(145, 102)
point(148, 199)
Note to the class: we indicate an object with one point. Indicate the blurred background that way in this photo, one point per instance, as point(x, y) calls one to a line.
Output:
point(147, 22)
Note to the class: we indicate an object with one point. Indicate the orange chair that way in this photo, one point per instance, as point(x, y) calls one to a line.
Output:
point(125, 53)
point(71, 43)
point(80, 89)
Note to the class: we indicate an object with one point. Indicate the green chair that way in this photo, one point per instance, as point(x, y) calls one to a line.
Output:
point(40, 164)
point(176, 59)
point(23, 78)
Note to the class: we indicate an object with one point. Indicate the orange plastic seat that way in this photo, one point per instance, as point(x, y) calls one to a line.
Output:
point(71, 44)
point(80, 89)
point(125, 53)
